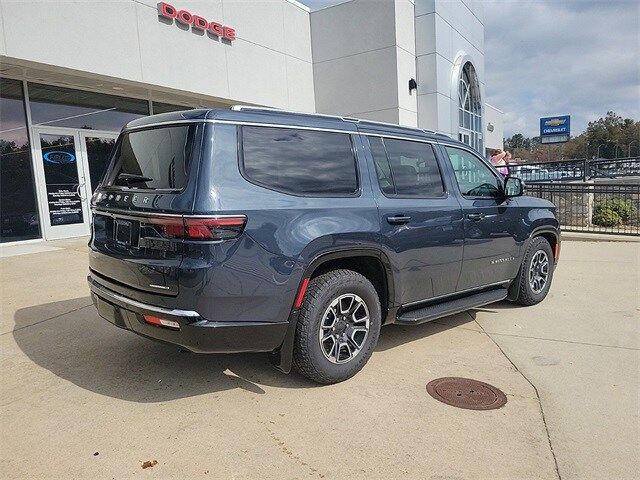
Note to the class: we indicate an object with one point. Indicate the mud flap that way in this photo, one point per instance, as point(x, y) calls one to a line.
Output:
point(282, 358)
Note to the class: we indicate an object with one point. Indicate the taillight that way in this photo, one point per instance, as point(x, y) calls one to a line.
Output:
point(170, 227)
point(200, 228)
point(216, 228)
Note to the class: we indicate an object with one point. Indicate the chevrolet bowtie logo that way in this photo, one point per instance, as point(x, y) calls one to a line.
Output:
point(554, 122)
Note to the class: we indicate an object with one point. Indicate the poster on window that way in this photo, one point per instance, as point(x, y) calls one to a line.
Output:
point(61, 177)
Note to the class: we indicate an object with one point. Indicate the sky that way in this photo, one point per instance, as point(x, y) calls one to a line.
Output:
point(555, 57)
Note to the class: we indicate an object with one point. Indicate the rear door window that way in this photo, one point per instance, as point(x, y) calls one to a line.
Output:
point(154, 159)
point(406, 168)
point(301, 162)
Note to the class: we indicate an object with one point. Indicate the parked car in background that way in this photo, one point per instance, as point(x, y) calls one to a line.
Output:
point(253, 229)
point(529, 173)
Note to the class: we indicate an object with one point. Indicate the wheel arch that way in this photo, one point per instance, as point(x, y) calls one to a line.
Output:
point(549, 233)
point(372, 263)
point(365, 261)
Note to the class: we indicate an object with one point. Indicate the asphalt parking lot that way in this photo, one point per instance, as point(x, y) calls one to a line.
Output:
point(83, 399)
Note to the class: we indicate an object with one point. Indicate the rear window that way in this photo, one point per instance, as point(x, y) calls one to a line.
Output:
point(154, 159)
point(302, 162)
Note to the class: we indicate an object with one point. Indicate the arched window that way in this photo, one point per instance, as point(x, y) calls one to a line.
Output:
point(470, 108)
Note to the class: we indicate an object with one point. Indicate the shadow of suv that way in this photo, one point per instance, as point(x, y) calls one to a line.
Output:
point(253, 229)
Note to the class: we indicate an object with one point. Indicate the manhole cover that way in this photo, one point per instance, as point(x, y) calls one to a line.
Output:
point(466, 393)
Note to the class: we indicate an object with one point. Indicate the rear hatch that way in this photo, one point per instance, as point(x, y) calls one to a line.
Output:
point(139, 209)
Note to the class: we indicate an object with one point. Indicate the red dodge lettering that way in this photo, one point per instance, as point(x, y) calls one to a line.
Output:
point(197, 22)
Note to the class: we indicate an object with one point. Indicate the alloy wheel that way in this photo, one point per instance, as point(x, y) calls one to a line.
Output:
point(539, 271)
point(344, 328)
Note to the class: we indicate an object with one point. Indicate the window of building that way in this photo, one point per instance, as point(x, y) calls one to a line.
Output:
point(470, 108)
point(406, 168)
point(303, 162)
point(474, 177)
point(66, 107)
point(19, 219)
point(159, 107)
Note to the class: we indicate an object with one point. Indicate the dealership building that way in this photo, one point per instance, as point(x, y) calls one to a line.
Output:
point(73, 73)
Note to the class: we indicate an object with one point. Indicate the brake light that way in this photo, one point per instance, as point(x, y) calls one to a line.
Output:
point(200, 228)
point(219, 228)
point(161, 322)
point(171, 227)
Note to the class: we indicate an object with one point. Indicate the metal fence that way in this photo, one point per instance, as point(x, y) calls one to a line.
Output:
point(576, 170)
point(593, 207)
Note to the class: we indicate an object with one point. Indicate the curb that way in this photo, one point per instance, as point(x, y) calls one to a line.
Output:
point(598, 237)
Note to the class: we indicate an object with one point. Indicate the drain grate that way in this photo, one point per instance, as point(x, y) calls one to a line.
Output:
point(466, 393)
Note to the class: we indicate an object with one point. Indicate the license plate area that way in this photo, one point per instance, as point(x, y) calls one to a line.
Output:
point(123, 232)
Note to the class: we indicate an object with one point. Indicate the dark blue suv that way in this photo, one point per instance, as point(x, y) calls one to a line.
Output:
point(260, 230)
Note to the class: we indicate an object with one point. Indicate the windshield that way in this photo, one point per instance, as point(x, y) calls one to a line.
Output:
point(153, 159)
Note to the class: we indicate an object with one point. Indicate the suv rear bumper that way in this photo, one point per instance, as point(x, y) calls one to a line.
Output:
point(195, 333)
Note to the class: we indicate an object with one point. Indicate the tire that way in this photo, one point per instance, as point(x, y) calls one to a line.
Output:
point(526, 293)
point(323, 362)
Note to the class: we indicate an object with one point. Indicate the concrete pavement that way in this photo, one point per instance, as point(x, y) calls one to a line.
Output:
point(581, 349)
point(83, 399)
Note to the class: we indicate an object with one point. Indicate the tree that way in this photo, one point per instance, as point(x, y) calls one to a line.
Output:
point(608, 137)
point(612, 136)
point(517, 141)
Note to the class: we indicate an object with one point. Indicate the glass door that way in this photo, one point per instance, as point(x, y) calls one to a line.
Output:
point(61, 182)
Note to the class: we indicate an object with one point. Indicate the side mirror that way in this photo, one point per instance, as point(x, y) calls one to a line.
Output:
point(513, 187)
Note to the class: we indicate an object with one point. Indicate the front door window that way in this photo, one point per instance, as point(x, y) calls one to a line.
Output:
point(474, 177)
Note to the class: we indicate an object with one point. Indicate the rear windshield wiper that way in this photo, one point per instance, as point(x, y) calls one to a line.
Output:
point(132, 178)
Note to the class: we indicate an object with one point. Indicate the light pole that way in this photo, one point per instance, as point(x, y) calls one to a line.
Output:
point(629, 149)
point(604, 143)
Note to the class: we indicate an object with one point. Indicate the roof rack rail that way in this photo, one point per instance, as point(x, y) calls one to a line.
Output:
point(257, 108)
point(240, 108)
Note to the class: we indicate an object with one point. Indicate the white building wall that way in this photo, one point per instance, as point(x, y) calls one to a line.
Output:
point(269, 63)
point(494, 127)
point(448, 33)
point(365, 71)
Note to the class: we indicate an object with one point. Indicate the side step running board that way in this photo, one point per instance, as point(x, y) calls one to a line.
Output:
point(432, 312)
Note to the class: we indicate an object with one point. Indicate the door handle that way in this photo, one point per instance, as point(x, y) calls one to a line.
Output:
point(398, 219)
point(78, 189)
point(476, 216)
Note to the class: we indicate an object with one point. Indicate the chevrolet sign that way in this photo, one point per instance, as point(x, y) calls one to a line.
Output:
point(555, 129)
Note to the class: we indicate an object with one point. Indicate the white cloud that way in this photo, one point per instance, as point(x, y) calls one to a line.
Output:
point(552, 57)
point(573, 57)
